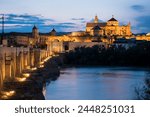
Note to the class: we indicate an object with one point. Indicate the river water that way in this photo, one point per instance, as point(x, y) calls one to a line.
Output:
point(96, 83)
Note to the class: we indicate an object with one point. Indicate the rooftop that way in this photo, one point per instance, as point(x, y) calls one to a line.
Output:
point(53, 30)
point(112, 19)
point(96, 24)
point(96, 28)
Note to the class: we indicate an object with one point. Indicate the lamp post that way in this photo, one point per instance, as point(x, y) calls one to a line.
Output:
point(2, 36)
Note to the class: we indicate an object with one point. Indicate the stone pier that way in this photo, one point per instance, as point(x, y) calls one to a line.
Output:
point(14, 60)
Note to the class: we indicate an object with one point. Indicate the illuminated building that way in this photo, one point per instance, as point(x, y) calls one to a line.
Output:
point(111, 27)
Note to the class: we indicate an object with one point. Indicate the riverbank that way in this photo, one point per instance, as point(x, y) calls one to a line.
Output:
point(32, 87)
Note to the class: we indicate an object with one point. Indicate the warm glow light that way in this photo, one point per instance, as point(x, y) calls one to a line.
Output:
point(28, 67)
point(47, 59)
point(41, 66)
point(21, 79)
point(4, 97)
point(41, 63)
point(33, 68)
point(12, 92)
point(7, 94)
point(26, 75)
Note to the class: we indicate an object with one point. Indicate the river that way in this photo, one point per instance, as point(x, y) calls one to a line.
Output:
point(96, 83)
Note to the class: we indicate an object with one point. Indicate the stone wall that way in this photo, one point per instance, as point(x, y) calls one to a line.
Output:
point(73, 45)
point(14, 60)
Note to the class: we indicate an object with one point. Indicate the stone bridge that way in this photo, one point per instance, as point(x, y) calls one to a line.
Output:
point(14, 60)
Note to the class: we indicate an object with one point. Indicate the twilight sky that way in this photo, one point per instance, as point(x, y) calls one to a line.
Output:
point(72, 15)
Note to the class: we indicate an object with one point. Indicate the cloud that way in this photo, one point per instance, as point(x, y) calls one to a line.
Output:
point(25, 19)
point(66, 24)
point(143, 24)
point(138, 8)
point(84, 21)
point(25, 22)
point(98, 20)
point(60, 27)
point(81, 19)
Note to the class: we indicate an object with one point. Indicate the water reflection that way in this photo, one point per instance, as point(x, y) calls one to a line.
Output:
point(96, 84)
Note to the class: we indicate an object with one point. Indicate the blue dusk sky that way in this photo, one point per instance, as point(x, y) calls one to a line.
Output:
point(72, 15)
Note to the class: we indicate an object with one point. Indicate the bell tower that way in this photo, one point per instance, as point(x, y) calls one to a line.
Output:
point(96, 19)
point(128, 29)
point(35, 33)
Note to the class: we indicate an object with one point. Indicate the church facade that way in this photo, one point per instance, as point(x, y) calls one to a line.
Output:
point(109, 28)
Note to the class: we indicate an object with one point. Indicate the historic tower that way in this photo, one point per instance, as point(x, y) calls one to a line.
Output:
point(53, 32)
point(96, 19)
point(35, 32)
point(128, 29)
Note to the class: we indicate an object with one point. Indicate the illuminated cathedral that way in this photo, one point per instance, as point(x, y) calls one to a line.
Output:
point(111, 27)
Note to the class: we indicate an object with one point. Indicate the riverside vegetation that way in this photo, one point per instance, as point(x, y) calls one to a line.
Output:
point(134, 56)
point(138, 55)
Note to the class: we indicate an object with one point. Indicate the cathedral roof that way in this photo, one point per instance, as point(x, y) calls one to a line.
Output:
point(96, 24)
point(112, 19)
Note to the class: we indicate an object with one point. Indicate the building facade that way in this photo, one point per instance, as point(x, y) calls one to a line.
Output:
point(111, 27)
point(96, 33)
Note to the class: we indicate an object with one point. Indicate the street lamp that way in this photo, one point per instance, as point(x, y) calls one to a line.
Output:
point(2, 36)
